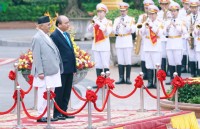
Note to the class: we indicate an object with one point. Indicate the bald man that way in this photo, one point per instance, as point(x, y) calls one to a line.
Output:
point(62, 40)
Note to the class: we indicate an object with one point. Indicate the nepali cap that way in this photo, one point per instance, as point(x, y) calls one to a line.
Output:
point(164, 1)
point(102, 7)
point(43, 19)
point(153, 9)
point(194, 3)
point(174, 6)
point(148, 2)
point(123, 6)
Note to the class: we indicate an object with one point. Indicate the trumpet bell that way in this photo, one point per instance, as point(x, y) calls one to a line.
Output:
point(139, 26)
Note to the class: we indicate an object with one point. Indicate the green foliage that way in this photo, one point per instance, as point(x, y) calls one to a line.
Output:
point(27, 13)
point(89, 7)
point(195, 100)
point(189, 94)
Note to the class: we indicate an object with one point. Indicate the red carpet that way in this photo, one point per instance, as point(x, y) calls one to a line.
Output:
point(4, 61)
point(125, 119)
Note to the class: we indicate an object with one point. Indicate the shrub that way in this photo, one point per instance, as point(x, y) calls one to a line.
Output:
point(190, 93)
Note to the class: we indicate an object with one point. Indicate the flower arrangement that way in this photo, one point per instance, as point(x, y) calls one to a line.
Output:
point(25, 61)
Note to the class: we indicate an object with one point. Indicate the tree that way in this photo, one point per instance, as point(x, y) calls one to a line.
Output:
point(74, 9)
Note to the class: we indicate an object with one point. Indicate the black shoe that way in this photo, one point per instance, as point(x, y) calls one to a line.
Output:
point(168, 83)
point(43, 119)
point(68, 117)
point(59, 117)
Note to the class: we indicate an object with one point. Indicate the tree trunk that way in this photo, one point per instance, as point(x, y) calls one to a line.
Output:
point(74, 9)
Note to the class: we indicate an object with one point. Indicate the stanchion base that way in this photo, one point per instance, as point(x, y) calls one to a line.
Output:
point(91, 127)
point(176, 110)
point(49, 127)
point(159, 114)
point(19, 127)
point(109, 124)
point(142, 110)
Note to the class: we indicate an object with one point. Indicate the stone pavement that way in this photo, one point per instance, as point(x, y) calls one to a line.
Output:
point(22, 38)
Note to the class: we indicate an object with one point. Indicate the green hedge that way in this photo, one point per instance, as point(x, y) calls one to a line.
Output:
point(190, 93)
point(27, 12)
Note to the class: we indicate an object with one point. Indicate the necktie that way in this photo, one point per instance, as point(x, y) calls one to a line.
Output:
point(66, 37)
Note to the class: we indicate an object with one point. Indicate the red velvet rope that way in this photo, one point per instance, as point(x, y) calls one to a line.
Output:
point(123, 97)
point(138, 82)
point(96, 91)
point(52, 95)
point(33, 117)
point(109, 83)
point(12, 75)
point(77, 94)
point(104, 103)
point(165, 97)
point(9, 110)
point(30, 81)
point(22, 94)
point(67, 113)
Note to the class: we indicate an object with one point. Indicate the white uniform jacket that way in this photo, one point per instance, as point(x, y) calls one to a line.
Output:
point(157, 28)
point(124, 38)
point(175, 34)
point(106, 27)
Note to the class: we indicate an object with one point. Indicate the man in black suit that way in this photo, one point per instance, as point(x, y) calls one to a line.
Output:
point(62, 40)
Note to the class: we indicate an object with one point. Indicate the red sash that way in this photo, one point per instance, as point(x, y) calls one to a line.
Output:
point(153, 36)
point(98, 34)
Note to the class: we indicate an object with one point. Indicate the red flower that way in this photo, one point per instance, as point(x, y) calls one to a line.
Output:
point(161, 75)
point(109, 82)
point(101, 81)
point(91, 96)
point(12, 75)
point(139, 82)
point(178, 82)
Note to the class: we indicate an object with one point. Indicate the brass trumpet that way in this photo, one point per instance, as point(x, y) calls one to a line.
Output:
point(198, 26)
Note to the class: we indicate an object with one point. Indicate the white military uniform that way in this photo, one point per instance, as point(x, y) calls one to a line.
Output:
point(183, 15)
point(174, 45)
point(124, 41)
point(191, 20)
point(101, 49)
point(196, 34)
point(152, 51)
point(142, 18)
point(163, 38)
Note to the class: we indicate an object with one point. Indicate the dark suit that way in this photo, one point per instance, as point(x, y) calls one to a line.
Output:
point(69, 64)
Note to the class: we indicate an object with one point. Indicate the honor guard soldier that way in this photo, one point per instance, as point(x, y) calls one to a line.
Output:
point(191, 20)
point(174, 32)
point(183, 15)
point(101, 27)
point(122, 28)
point(164, 15)
point(196, 34)
point(142, 19)
point(152, 30)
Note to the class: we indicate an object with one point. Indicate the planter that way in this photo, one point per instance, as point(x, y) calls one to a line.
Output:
point(79, 76)
point(25, 74)
point(169, 105)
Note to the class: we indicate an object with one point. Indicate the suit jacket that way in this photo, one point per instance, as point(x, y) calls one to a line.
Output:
point(46, 57)
point(66, 52)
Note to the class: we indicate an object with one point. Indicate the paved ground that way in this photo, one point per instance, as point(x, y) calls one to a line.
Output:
point(13, 42)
